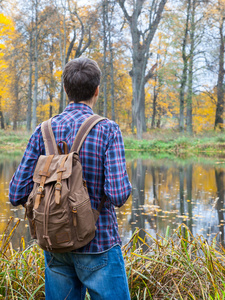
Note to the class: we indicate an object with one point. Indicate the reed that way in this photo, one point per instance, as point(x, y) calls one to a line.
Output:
point(22, 271)
point(177, 266)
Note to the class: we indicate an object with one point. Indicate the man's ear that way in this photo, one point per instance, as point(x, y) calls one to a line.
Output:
point(97, 91)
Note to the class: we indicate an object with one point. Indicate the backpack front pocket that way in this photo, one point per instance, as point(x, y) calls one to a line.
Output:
point(57, 227)
point(83, 220)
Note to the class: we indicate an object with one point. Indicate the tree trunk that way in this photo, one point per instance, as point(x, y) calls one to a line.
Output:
point(51, 88)
point(220, 85)
point(29, 100)
point(142, 112)
point(105, 12)
point(140, 54)
point(190, 69)
point(155, 94)
point(111, 70)
point(158, 125)
point(1, 114)
point(2, 120)
point(112, 83)
point(138, 89)
point(16, 102)
point(34, 112)
point(62, 100)
point(185, 67)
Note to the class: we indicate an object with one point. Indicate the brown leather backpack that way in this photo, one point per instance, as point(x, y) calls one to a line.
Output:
point(59, 208)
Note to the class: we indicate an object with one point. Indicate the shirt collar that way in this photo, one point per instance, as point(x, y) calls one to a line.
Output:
point(79, 106)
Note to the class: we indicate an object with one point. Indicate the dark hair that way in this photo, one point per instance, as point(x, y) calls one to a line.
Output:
point(81, 77)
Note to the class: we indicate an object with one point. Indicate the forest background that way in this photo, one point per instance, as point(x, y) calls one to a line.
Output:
point(162, 61)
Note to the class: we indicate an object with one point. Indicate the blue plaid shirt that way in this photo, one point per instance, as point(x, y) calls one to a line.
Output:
point(104, 169)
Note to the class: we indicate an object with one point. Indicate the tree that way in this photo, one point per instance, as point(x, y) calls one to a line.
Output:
point(34, 112)
point(221, 71)
point(81, 39)
point(141, 41)
point(185, 66)
point(190, 68)
point(7, 32)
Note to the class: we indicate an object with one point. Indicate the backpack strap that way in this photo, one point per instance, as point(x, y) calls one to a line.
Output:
point(49, 138)
point(44, 174)
point(51, 146)
point(83, 131)
point(81, 135)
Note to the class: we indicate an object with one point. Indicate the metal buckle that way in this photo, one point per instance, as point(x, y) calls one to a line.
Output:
point(60, 185)
point(42, 188)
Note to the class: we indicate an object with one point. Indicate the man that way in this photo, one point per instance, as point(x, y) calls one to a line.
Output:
point(99, 265)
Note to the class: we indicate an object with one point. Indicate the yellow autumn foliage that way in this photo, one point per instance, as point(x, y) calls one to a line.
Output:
point(6, 34)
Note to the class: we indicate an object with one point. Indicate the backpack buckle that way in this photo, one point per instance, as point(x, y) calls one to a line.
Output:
point(60, 186)
point(40, 189)
point(40, 193)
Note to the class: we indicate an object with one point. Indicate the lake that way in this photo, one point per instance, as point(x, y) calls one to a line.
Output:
point(165, 192)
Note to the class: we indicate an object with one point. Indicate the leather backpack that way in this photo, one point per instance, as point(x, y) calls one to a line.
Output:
point(59, 208)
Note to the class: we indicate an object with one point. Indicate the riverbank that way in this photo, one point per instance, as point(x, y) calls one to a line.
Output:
point(176, 266)
point(210, 144)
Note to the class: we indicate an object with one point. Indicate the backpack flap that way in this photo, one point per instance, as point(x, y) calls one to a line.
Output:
point(59, 168)
point(54, 166)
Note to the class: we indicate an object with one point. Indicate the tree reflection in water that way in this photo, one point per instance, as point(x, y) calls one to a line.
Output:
point(219, 173)
point(164, 193)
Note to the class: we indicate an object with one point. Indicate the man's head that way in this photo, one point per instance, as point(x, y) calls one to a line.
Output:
point(81, 78)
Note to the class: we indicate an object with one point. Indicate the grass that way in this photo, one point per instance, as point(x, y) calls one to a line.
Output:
point(13, 140)
point(169, 142)
point(177, 266)
point(173, 143)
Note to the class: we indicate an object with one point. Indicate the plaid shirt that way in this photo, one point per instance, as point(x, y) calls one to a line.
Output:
point(104, 169)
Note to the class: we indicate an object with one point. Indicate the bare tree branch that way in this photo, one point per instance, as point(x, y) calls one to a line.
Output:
point(150, 73)
point(127, 16)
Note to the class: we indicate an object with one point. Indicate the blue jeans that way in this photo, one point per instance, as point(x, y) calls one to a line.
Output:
point(67, 275)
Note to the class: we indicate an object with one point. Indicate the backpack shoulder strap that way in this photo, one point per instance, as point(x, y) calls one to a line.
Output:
point(49, 138)
point(83, 131)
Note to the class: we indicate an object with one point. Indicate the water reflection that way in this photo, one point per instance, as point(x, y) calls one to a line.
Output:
point(7, 168)
point(219, 205)
point(164, 193)
point(174, 193)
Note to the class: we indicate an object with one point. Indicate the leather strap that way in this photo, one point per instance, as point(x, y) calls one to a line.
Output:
point(65, 147)
point(81, 135)
point(44, 174)
point(58, 185)
point(49, 138)
point(83, 131)
point(101, 203)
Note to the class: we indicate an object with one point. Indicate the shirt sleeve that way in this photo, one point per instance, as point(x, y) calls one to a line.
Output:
point(117, 186)
point(21, 183)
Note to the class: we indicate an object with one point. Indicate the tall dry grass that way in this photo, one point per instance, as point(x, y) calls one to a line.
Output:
point(180, 266)
point(177, 266)
point(22, 271)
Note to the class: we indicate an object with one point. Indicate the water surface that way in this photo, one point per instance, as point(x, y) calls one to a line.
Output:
point(165, 192)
